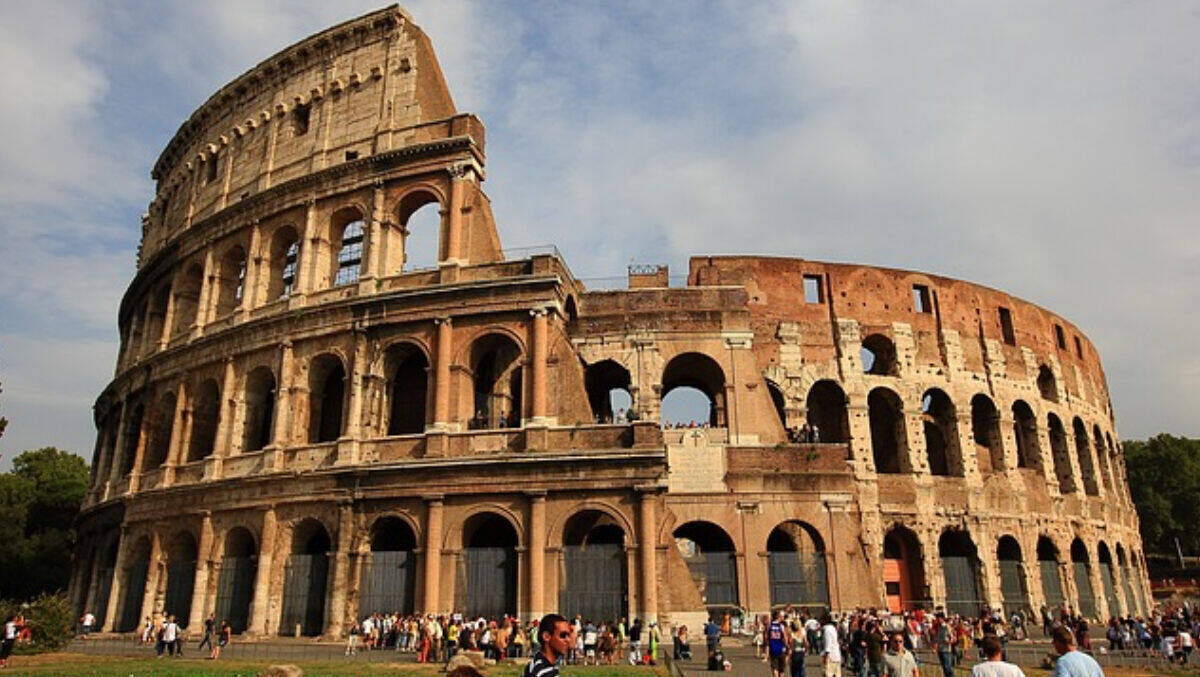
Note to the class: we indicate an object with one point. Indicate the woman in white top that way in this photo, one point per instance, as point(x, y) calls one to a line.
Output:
point(10, 638)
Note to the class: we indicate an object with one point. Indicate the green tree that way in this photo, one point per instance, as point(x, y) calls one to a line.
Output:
point(1164, 480)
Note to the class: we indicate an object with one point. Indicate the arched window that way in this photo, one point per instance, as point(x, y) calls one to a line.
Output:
point(1029, 452)
point(889, 440)
point(349, 244)
point(941, 433)
point(231, 280)
point(1084, 453)
point(305, 576)
point(284, 259)
point(327, 390)
point(1062, 459)
point(133, 428)
point(407, 371)
point(1047, 386)
point(607, 384)
point(160, 432)
point(187, 299)
point(206, 412)
point(826, 404)
point(1102, 457)
point(693, 390)
point(260, 409)
point(496, 370)
point(985, 430)
point(156, 313)
point(420, 215)
point(878, 355)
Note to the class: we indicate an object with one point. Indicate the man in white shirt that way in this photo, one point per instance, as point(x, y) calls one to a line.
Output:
point(995, 666)
point(170, 633)
point(831, 651)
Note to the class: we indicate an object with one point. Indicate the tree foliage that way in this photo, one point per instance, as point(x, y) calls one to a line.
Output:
point(1164, 480)
point(39, 499)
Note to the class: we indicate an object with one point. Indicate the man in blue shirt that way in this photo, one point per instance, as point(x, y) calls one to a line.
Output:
point(1072, 663)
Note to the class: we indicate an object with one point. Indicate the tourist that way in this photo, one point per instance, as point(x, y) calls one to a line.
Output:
point(635, 642)
point(994, 664)
point(352, 639)
point(681, 649)
point(87, 621)
point(554, 636)
point(799, 648)
point(943, 642)
point(169, 637)
point(210, 628)
point(224, 636)
point(831, 652)
point(897, 660)
point(11, 630)
point(778, 641)
point(1072, 662)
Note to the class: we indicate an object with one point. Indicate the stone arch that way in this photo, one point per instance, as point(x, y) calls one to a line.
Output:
point(961, 570)
point(235, 581)
point(600, 380)
point(778, 402)
point(1049, 567)
point(306, 577)
point(796, 566)
point(557, 533)
point(1102, 457)
point(903, 570)
point(940, 422)
point(259, 401)
point(1013, 587)
point(156, 313)
point(878, 356)
point(701, 373)
point(1046, 384)
point(133, 430)
point(230, 279)
point(422, 248)
point(1062, 459)
point(161, 428)
point(595, 577)
point(347, 230)
point(389, 573)
point(711, 559)
point(1104, 561)
point(182, 553)
point(326, 398)
point(889, 438)
point(1081, 569)
point(826, 407)
point(497, 380)
point(283, 262)
point(489, 565)
point(134, 575)
point(186, 303)
point(985, 431)
point(1029, 452)
point(1083, 452)
point(407, 373)
point(206, 415)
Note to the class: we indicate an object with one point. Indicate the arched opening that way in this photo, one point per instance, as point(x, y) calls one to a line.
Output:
point(595, 582)
point(878, 355)
point(960, 566)
point(778, 402)
point(1029, 452)
point(712, 561)
point(133, 430)
point(1048, 567)
point(231, 280)
point(889, 441)
point(159, 444)
point(181, 577)
point(1107, 578)
point(305, 577)
point(1012, 576)
point(1127, 575)
point(206, 412)
point(235, 585)
point(903, 570)
point(104, 580)
point(326, 395)
point(985, 430)
point(939, 420)
point(347, 241)
point(112, 427)
point(796, 567)
point(156, 314)
point(1102, 457)
point(131, 342)
point(1084, 453)
point(134, 576)
point(187, 299)
point(827, 414)
point(490, 556)
point(497, 380)
point(694, 375)
point(260, 409)
point(390, 573)
point(1062, 459)
point(1080, 567)
point(421, 217)
point(283, 264)
point(607, 384)
point(1047, 386)
point(407, 371)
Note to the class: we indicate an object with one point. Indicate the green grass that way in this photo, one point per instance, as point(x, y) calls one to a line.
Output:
point(79, 665)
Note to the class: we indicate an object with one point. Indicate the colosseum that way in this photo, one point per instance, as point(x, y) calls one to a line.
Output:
point(305, 426)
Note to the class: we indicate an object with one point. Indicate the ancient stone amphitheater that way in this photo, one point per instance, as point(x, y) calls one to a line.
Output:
point(304, 428)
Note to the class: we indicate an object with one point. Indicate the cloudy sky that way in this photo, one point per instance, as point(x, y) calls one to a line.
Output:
point(1049, 150)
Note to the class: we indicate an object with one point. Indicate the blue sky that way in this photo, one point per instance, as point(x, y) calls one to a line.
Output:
point(1049, 150)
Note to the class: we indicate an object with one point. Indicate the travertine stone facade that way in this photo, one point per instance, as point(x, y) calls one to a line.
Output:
point(302, 429)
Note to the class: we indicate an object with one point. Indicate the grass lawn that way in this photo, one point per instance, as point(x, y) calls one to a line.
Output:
point(80, 665)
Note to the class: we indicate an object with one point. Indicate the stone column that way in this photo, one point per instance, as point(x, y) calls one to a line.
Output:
point(454, 220)
point(200, 587)
point(341, 572)
point(168, 320)
point(224, 422)
point(258, 624)
point(373, 261)
point(348, 447)
point(433, 553)
point(139, 451)
point(441, 374)
point(178, 444)
point(537, 553)
point(251, 280)
point(153, 575)
point(537, 342)
point(305, 276)
point(114, 590)
point(283, 410)
point(647, 519)
point(203, 305)
point(114, 471)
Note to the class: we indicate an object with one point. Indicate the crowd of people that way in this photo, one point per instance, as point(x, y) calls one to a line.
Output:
point(164, 632)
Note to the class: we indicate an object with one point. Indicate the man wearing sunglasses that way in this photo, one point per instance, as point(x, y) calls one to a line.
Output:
point(555, 635)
